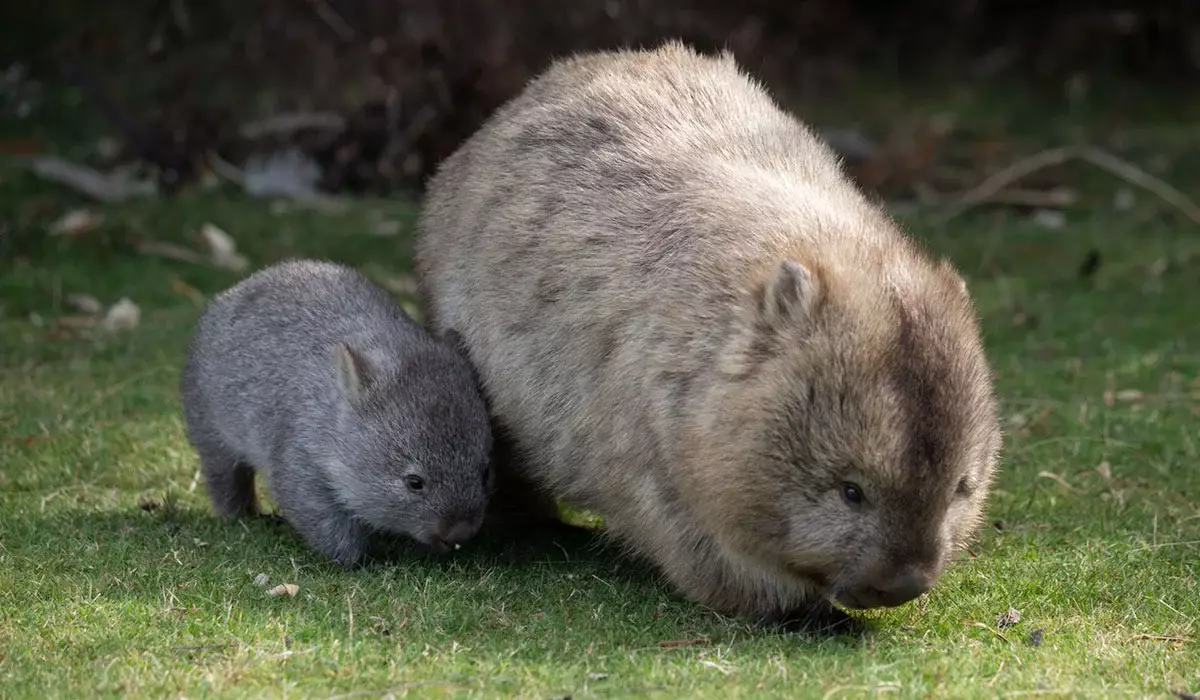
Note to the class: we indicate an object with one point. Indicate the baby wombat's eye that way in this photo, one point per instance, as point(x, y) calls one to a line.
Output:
point(414, 482)
point(853, 493)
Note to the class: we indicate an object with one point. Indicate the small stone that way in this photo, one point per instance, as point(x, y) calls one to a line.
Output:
point(1050, 219)
point(76, 222)
point(1008, 618)
point(261, 580)
point(1035, 637)
point(123, 315)
point(288, 589)
point(85, 303)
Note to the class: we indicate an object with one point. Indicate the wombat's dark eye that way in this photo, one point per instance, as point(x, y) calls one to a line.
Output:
point(415, 483)
point(964, 488)
point(852, 493)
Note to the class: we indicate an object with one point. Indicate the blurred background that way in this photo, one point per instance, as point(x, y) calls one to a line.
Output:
point(366, 96)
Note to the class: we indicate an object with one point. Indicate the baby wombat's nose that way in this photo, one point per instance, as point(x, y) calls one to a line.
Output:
point(897, 590)
point(453, 533)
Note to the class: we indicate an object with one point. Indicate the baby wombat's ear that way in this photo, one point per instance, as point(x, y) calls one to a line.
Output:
point(353, 371)
point(458, 344)
point(790, 294)
point(455, 340)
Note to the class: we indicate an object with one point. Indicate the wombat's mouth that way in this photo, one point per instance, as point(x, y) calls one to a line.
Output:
point(438, 546)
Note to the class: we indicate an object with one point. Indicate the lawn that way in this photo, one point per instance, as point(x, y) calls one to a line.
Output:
point(116, 579)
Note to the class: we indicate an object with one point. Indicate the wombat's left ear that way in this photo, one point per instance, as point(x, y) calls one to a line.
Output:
point(792, 293)
point(946, 268)
point(455, 340)
point(353, 371)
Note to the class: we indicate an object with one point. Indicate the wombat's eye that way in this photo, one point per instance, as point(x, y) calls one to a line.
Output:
point(852, 493)
point(964, 488)
point(415, 483)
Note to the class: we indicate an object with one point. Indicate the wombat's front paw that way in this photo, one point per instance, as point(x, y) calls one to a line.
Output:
point(821, 617)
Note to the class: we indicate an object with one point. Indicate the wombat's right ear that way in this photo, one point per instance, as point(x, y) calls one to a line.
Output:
point(353, 371)
point(791, 294)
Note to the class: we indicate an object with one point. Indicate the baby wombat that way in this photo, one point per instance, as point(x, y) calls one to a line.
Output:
point(687, 318)
point(360, 419)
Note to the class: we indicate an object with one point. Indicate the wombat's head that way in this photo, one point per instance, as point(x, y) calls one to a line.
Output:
point(414, 444)
point(853, 440)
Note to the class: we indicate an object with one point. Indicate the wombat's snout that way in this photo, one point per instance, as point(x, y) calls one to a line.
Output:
point(888, 592)
point(450, 533)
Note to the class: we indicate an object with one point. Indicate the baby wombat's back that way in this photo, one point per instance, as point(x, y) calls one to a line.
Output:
point(688, 318)
point(263, 349)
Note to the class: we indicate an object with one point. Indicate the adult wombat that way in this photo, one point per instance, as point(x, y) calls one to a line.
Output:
point(688, 319)
point(360, 419)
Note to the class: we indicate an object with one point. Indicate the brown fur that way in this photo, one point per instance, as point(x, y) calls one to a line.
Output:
point(614, 246)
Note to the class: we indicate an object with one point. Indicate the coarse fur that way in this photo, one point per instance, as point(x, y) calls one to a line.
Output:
point(360, 419)
point(687, 318)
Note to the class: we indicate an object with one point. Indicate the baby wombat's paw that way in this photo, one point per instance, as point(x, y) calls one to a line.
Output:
point(820, 618)
point(340, 538)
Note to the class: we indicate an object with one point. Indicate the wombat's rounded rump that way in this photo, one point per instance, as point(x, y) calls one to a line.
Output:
point(360, 420)
point(686, 318)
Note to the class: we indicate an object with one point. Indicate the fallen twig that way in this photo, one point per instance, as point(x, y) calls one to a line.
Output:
point(171, 252)
point(998, 181)
point(1158, 638)
point(991, 187)
point(1057, 478)
point(1136, 176)
point(112, 187)
point(989, 628)
point(333, 19)
point(1058, 197)
point(290, 122)
point(671, 644)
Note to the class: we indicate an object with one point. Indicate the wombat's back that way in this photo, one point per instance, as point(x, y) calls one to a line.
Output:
point(591, 240)
point(262, 351)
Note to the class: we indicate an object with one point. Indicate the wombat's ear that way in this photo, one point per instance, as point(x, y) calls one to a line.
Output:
point(353, 371)
point(946, 268)
point(455, 340)
point(790, 294)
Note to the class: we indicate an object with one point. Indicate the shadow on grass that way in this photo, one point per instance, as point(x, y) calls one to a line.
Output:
point(178, 560)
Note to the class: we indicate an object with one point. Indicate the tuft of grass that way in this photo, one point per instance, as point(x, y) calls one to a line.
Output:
point(116, 579)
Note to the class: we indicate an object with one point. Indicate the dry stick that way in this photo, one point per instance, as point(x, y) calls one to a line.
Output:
point(1136, 176)
point(1158, 638)
point(333, 19)
point(1058, 197)
point(1007, 176)
point(1056, 156)
point(289, 122)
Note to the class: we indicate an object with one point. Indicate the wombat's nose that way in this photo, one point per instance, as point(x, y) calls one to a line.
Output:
point(456, 532)
point(903, 588)
point(891, 592)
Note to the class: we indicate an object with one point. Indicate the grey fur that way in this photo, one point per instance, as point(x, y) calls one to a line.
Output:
point(686, 317)
point(311, 374)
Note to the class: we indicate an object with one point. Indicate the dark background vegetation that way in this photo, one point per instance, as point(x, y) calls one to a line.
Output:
point(414, 77)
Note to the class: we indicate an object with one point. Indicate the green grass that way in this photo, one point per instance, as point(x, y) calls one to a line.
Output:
point(1097, 506)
